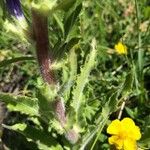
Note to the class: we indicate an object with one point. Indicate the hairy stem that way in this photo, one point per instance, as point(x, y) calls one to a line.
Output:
point(40, 29)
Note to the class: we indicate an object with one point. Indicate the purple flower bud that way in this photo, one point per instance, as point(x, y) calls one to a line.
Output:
point(14, 8)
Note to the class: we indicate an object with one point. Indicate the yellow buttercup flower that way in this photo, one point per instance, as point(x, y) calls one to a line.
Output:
point(124, 134)
point(121, 48)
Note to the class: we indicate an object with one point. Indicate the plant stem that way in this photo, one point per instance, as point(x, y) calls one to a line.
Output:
point(121, 110)
point(100, 128)
point(140, 51)
point(40, 29)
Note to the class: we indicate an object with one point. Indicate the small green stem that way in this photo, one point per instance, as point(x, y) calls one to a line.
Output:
point(140, 51)
point(100, 128)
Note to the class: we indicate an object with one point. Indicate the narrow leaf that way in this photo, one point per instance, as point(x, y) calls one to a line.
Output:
point(7, 62)
point(71, 20)
point(22, 104)
point(37, 135)
point(83, 78)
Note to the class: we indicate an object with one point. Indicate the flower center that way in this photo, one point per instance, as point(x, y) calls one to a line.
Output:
point(123, 135)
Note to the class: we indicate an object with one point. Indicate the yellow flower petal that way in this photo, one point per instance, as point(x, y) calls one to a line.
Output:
point(129, 144)
point(114, 140)
point(127, 123)
point(131, 129)
point(114, 127)
point(137, 133)
point(121, 48)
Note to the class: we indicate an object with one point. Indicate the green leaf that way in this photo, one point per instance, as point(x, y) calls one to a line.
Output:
point(23, 104)
point(128, 84)
point(69, 23)
point(89, 111)
point(59, 22)
point(91, 108)
point(46, 97)
point(57, 126)
point(111, 105)
point(145, 140)
point(5, 63)
point(130, 112)
point(97, 129)
point(147, 12)
point(2, 9)
point(82, 79)
point(64, 47)
point(18, 126)
point(39, 136)
point(65, 4)
point(72, 61)
point(1, 12)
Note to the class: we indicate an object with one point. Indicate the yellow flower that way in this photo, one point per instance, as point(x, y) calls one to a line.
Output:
point(124, 134)
point(121, 48)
